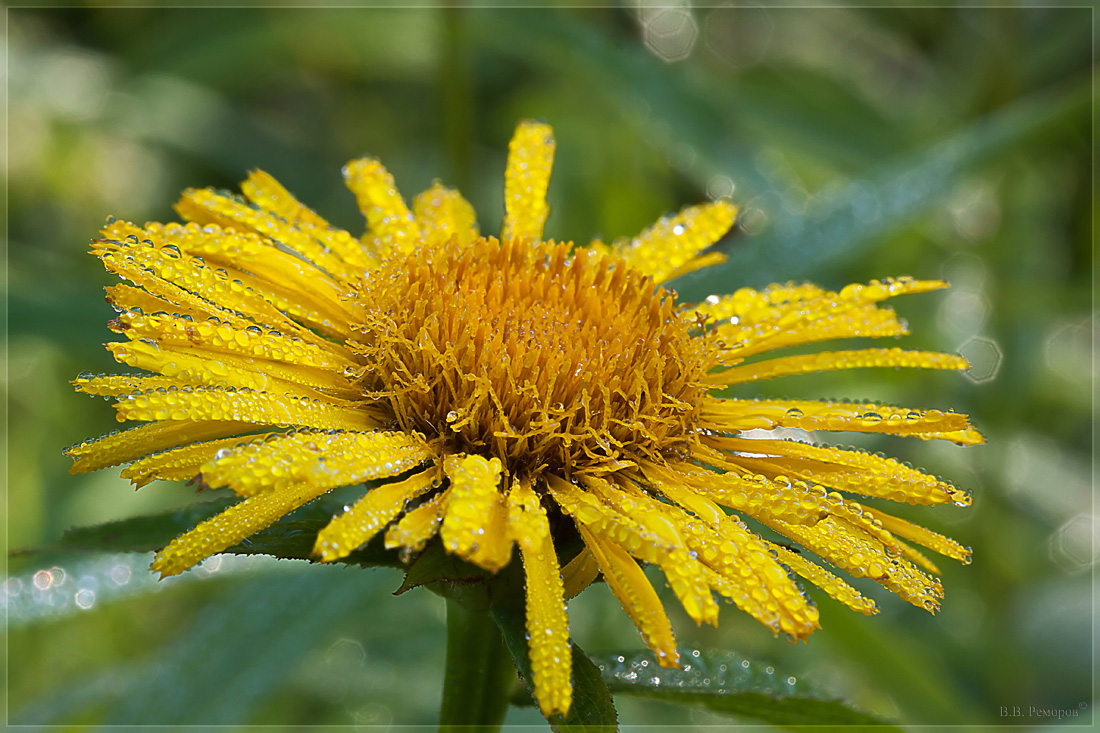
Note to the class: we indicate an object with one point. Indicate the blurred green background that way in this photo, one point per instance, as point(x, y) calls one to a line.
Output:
point(947, 142)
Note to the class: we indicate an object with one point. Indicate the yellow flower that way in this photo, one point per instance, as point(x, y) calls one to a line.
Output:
point(512, 392)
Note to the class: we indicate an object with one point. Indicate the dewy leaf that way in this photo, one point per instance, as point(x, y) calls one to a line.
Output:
point(250, 635)
point(592, 708)
point(727, 684)
point(139, 534)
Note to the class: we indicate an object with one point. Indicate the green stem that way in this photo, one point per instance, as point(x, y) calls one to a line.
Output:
point(456, 87)
point(479, 672)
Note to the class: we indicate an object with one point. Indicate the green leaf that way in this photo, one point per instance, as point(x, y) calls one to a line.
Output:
point(592, 704)
point(233, 657)
point(728, 684)
point(139, 534)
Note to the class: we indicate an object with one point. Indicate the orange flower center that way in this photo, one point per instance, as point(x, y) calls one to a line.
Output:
point(521, 352)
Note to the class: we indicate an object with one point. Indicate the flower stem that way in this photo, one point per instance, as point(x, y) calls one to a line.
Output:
point(479, 672)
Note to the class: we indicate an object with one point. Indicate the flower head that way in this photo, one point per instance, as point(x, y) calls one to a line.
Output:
point(513, 392)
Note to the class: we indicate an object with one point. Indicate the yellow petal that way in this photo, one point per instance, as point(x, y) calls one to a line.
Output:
point(854, 552)
point(737, 565)
point(126, 445)
point(316, 458)
point(922, 536)
point(356, 526)
point(681, 569)
point(668, 246)
point(826, 581)
point(579, 573)
point(547, 623)
point(830, 360)
point(242, 405)
point(246, 260)
point(443, 214)
point(750, 322)
point(181, 463)
point(475, 526)
point(729, 415)
point(253, 341)
point(231, 526)
point(197, 366)
point(842, 468)
point(526, 178)
point(777, 301)
point(207, 206)
point(636, 595)
point(122, 297)
point(114, 385)
point(418, 526)
point(185, 280)
point(390, 224)
point(268, 193)
point(795, 502)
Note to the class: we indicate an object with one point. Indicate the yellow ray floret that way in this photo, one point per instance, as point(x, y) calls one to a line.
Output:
point(113, 385)
point(250, 258)
point(251, 341)
point(823, 579)
point(683, 571)
point(739, 567)
point(391, 227)
point(793, 502)
point(123, 297)
point(206, 206)
point(547, 624)
point(922, 536)
point(781, 301)
point(579, 573)
point(476, 520)
point(183, 463)
point(126, 445)
point(610, 514)
point(636, 595)
point(665, 249)
point(736, 414)
point(830, 360)
point(841, 468)
point(266, 192)
point(359, 524)
point(419, 525)
point(526, 178)
point(198, 366)
point(443, 215)
point(244, 405)
point(859, 555)
point(231, 526)
point(318, 458)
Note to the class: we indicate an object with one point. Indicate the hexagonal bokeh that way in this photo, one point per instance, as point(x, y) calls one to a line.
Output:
point(984, 356)
point(1073, 546)
point(670, 33)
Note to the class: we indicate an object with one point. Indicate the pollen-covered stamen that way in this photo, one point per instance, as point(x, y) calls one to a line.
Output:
point(520, 351)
